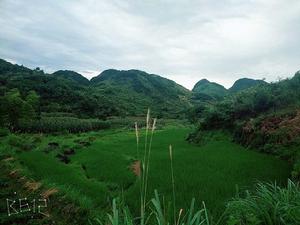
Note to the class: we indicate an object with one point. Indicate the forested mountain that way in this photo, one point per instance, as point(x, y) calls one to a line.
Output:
point(72, 76)
point(206, 92)
point(209, 90)
point(134, 91)
point(112, 93)
point(244, 83)
point(57, 94)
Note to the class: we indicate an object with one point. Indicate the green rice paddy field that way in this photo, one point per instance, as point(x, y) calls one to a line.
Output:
point(101, 168)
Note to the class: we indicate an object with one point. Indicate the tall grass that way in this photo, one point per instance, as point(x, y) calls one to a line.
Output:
point(154, 211)
point(269, 205)
point(173, 182)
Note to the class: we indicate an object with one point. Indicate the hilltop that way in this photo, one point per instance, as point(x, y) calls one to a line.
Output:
point(244, 83)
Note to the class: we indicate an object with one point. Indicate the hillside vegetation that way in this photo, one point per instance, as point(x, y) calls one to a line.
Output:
point(244, 83)
point(206, 90)
point(112, 93)
point(134, 91)
point(264, 117)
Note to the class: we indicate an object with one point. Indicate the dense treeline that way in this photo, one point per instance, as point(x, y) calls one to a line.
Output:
point(30, 100)
point(56, 93)
point(21, 113)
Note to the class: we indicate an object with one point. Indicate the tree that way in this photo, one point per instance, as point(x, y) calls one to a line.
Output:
point(33, 100)
point(13, 105)
point(14, 108)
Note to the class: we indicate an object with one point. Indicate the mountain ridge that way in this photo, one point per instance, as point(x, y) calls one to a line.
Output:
point(112, 93)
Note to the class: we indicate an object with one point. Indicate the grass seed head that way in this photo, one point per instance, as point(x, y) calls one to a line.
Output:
point(8, 159)
point(32, 186)
point(136, 168)
point(148, 119)
point(136, 132)
point(154, 124)
point(179, 215)
point(49, 192)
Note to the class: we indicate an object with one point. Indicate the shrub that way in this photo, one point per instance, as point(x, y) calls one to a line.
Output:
point(3, 132)
point(296, 167)
point(269, 204)
point(20, 143)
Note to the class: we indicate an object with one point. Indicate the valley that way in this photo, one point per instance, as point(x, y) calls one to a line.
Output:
point(135, 141)
point(211, 172)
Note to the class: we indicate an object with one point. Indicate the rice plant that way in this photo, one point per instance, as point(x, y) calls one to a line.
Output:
point(154, 211)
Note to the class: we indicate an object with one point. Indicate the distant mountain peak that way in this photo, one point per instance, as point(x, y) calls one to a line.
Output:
point(245, 83)
point(72, 76)
point(211, 89)
point(202, 81)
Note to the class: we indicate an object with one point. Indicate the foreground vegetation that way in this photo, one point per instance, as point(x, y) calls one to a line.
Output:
point(92, 168)
point(268, 204)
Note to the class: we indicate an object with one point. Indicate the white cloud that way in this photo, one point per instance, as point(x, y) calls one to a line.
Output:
point(181, 40)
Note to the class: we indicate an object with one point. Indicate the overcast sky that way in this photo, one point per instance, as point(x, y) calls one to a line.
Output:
point(179, 39)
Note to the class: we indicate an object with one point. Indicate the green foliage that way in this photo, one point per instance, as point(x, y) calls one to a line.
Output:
point(210, 89)
point(4, 131)
point(245, 83)
point(296, 168)
point(109, 158)
point(134, 91)
point(157, 214)
point(15, 108)
point(112, 93)
point(264, 117)
point(268, 205)
point(33, 100)
point(58, 124)
point(207, 94)
point(21, 143)
point(251, 102)
point(72, 76)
